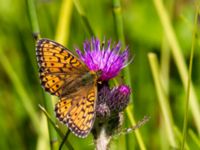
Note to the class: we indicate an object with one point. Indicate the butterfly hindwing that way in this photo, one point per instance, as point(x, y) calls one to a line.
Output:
point(57, 66)
point(77, 110)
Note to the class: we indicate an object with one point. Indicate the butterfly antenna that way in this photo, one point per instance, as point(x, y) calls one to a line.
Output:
point(64, 139)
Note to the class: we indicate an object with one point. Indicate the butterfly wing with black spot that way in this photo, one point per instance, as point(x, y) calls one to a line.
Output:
point(77, 110)
point(57, 66)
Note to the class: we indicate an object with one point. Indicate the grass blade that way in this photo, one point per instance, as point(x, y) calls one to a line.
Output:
point(189, 81)
point(165, 108)
point(62, 30)
point(48, 103)
point(179, 60)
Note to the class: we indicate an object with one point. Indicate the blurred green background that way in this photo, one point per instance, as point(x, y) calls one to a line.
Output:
point(20, 90)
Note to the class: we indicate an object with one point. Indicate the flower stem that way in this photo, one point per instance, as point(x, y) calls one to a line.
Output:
point(120, 35)
point(189, 80)
point(33, 16)
point(118, 21)
point(52, 133)
point(179, 137)
point(48, 102)
point(102, 141)
point(64, 139)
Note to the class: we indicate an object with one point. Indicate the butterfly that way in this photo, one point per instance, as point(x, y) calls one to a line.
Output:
point(64, 75)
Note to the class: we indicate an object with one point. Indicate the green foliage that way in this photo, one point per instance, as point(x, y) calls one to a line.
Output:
point(22, 122)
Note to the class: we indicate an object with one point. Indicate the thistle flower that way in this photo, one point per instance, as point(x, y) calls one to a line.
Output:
point(119, 98)
point(108, 60)
point(112, 101)
point(109, 114)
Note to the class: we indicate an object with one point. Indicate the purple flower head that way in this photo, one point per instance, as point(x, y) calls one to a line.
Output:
point(119, 98)
point(124, 90)
point(112, 101)
point(103, 58)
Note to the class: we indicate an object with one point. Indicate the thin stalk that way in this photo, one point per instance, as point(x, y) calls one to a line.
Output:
point(179, 60)
point(180, 137)
point(64, 139)
point(56, 127)
point(84, 17)
point(189, 81)
point(52, 132)
point(103, 139)
point(33, 16)
point(162, 99)
point(120, 35)
point(118, 21)
point(48, 103)
point(51, 120)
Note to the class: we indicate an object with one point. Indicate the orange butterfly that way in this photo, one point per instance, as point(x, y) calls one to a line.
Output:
point(66, 76)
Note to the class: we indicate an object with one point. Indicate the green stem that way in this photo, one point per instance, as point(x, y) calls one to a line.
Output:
point(189, 81)
point(84, 17)
point(48, 102)
point(180, 137)
point(64, 139)
point(56, 127)
point(52, 133)
point(33, 16)
point(118, 21)
point(120, 35)
point(165, 108)
point(179, 60)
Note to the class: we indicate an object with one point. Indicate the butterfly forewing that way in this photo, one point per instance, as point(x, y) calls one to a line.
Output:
point(57, 66)
point(61, 74)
